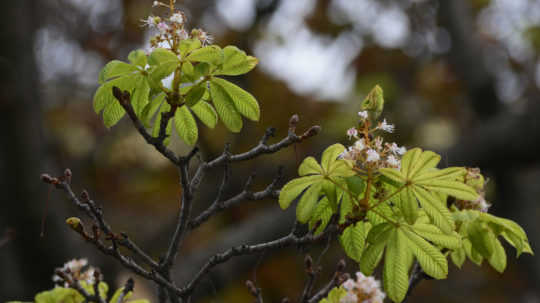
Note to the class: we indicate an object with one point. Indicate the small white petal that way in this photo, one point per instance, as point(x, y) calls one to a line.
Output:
point(372, 155)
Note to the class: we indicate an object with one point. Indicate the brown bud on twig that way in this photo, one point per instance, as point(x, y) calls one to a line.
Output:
point(67, 175)
point(312, 131)
point(293, 122)
point(341, 265)
point(308, 263)
point(47, 178)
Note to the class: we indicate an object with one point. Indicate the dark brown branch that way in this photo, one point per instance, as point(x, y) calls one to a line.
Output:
point(311, 277)
point(338, 278)
point(254, 291)
point(261, 149)
point(181, 225)
point(242, 250)
point(217, 206)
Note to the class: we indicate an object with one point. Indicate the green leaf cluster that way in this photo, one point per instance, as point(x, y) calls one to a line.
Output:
point(196, 91)
point(399, 216)
point(482, 234)
point(70, 295)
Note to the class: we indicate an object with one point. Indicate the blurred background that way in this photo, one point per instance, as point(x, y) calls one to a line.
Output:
point(460, 77)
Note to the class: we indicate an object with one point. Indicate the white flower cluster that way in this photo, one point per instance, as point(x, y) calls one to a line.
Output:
point(363, 290)
point(372, 152)
point(74, 269)
point(171, 30)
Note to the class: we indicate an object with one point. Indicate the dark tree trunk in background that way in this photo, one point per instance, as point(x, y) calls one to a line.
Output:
point(27, 261)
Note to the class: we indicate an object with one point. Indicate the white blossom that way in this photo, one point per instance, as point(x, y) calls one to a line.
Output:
point(363, 115)
point(163, 27)
point(366, 288)
point(393, 161)
point(387, 127)
point(372, 155)
point(151, 21)
point(352, 132)
point(481, 204)
point(156, 3)
point(177, 18)
point(378, 143)
point(396, 150)
point(359, 145)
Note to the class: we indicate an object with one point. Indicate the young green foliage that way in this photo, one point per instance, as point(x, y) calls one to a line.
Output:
point(393, 205)
point(180, 80)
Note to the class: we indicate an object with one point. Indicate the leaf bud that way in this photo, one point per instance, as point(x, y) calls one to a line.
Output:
point(293, 121)
point(374, 102)
point(75, 224)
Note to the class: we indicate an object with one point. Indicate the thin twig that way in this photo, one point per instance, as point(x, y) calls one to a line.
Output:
point(241, 250)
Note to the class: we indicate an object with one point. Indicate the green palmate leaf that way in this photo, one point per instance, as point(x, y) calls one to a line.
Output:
point(435, 235)
point(112, 114)
point(104, 96)
point(506, 224)
point(295, 187)
point(396, 272)
point(188, 45)
point(201, 70)
point(432, 261)
point(452, 188)
point(497, 260)
point(309, 167)
point(138, 57)
point(353, 239)
point(115, 69)
point(321, 216)
point(330, 192)
point(458, 257)
point(341, 168)
point(377, 239)
point(472, 253)
point(243, 101)
point(185, 124)
point(206, 113)
point(307, 203)
point(150, 109)
point(225, 108)
point(394, 175)
point(212, 54)
point(236, 62)
point(59, 295)
point(160, 56)
point(408, 205)
point(346, 207)
point(335, 295)
point(450, 173)
point(188, 72)
point(425, 162)
point(435, 209)
point(195, 94)
point(139, 99)
point(356, 185)
point(481, 237)
point(408, 161)
point(330, 155)
point(161, 71)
